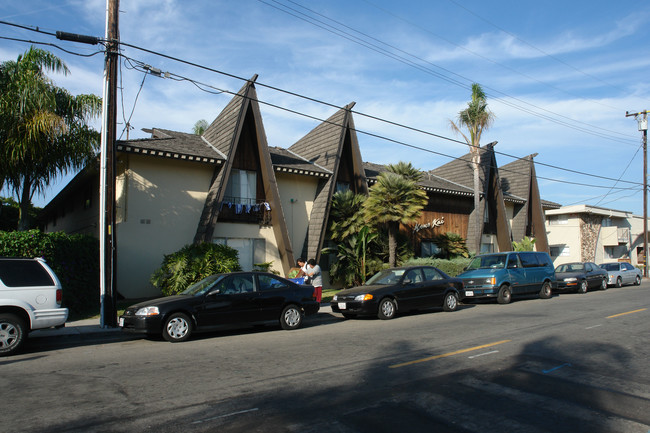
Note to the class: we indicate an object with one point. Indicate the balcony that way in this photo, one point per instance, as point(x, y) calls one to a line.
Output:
point(244, 210)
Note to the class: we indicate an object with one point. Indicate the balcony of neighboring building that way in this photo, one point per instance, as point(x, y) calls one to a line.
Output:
point(613, 236)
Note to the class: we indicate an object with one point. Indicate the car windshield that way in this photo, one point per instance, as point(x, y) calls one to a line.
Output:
point(495, 261)
point(571, 267)
point(202, 286)
point(610, 266)
point(387, 276)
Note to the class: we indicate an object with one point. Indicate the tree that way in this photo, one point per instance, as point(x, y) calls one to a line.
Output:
point(200, 126)
point(44, 129)
point(394, 200)
point(526, 244)
point(475, 118)
point(346, 218)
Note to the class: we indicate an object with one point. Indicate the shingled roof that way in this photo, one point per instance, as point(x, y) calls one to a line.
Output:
point(429, 182)
point(172, 144)
point(242, 113)
point(287, 161)
point(324, 146)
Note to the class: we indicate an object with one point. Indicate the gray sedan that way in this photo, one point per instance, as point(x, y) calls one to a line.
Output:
point(622, 273)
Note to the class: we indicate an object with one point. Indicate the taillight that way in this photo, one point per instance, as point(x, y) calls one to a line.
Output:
point(59, 296)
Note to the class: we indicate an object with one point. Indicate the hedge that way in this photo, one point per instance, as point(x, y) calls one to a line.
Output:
point(451, 267)
point(74, 259)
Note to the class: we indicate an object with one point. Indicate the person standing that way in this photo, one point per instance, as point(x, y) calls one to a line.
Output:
point(315, 277)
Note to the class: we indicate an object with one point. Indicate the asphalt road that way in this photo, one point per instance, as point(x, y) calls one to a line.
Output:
point(574, 363)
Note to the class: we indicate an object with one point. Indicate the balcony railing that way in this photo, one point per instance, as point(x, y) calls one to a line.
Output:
point(623, 235)
point(237, 209)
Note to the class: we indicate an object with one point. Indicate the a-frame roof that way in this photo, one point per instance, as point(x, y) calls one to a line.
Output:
point(224, 134)
point(323, 146)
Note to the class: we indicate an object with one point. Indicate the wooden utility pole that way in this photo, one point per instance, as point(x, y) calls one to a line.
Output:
point(643, 126)
point(107, 237)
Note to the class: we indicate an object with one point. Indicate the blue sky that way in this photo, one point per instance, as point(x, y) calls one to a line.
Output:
point(559, 75)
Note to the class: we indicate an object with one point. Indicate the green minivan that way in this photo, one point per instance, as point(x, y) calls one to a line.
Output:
point(508, 274)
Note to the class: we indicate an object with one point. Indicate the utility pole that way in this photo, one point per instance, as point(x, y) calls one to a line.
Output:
point(643, 126)
point(107, 237)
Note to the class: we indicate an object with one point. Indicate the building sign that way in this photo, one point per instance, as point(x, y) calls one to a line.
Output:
point(436, 222)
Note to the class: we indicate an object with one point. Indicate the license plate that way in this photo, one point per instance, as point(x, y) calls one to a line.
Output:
point(469, 293)
point(342, 305)
point(121, 323)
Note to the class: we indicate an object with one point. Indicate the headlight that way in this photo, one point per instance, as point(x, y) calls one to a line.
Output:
point(147, 311)
point(361, 298)
point(570, 279)
point(335, 298)
point(491, 281)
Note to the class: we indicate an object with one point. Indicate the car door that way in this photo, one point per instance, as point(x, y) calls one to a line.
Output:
point(436, 284)
point(516, 273)
point(230, 301)
point(272, 294)
point(534, 273)
point(627, 270)
point(412, 292)
point(593, 277)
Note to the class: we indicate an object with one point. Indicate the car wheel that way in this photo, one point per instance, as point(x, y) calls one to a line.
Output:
point(583, 287)
point(546, 291)
point(451, 302)
point(291, 317)
point(603, 284)
point(619, 282)
point(178, 328)
point(505, 295)
point(13, 333)
point(637, 281)
point(387, 309)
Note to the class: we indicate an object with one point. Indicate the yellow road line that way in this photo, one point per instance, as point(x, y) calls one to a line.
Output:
point(444, 355)
point(623, 314)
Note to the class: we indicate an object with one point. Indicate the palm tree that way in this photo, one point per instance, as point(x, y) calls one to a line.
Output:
point(43, 128)
point(345, 215)
point(406, 170)
point(475, 118)
point(394, 200)
point(200, 126)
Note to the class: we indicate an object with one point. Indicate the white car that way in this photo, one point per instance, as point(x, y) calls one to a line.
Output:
point(622, 273)
point(30, 298)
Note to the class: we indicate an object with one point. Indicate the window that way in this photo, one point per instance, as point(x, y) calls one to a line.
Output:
point(414, 275)
point(242, 187)
point(628, 266)
point(342, 187)
point(236, 284)
point(429, 249)
point(513, 261)
point(487, 248)
point(607, 222)
point(431, 274)
point(251, 251)
point(269, 283)
point(560, 250)
point(528, 260)
point(559, 219)
point(24, 273)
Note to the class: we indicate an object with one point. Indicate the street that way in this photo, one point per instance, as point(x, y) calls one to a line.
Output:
point(574, 363)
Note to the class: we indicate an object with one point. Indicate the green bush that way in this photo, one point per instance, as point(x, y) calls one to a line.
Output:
point(450, 267)
point(192, 263)
point(74, 259)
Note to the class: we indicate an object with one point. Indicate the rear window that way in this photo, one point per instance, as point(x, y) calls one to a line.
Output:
point(24, 273)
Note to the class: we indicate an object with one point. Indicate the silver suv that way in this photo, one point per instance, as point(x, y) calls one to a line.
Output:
point(30, 298)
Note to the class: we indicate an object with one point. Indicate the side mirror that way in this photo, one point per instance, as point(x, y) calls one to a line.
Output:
point(406, 281)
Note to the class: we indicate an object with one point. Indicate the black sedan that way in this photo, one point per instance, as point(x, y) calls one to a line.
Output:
point(580, 277)
point(400, 289)
point(221, 300)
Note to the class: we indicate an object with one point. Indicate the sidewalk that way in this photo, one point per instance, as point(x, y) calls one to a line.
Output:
point(91, 327)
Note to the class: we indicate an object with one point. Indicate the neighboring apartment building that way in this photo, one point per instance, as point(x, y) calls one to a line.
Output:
point(272, 204)
point(583, 233)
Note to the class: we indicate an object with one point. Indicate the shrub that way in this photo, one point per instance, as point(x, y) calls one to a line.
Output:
point(192, 263)
point(450, 267)
point(74, 259)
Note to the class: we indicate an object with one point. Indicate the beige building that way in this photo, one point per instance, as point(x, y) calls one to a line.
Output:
point(583, 233)
point(272, 204)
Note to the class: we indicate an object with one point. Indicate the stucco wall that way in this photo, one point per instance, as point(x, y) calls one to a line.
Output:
point(565, 234)
point(297, 194)
point(161, 202)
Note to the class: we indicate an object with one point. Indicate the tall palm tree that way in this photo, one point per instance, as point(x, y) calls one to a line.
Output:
point(394, 200)
point(476, 118)
point(44, 129)
point(345, 217)
point(406, 169)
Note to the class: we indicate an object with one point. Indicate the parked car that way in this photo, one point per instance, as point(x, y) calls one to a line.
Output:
point(30, 298)
point(218, 301)
point(580, 277)
point(622, 273)
point(508, 274)
point(397, 290)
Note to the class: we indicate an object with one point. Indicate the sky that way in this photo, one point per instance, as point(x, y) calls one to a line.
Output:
point(559, 76)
